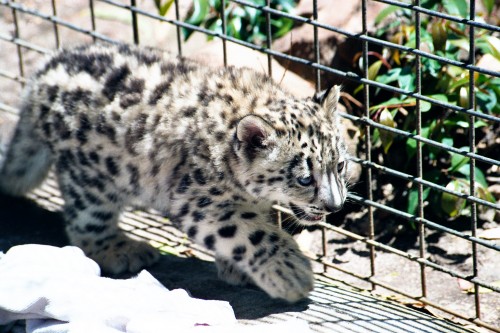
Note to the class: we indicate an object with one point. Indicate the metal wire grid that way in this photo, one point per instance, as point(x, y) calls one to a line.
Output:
point(363, 121)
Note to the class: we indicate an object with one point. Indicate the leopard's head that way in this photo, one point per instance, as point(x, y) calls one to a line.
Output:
point(293, 153)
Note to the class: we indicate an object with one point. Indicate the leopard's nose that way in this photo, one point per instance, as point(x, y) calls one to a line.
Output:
point(332, 208)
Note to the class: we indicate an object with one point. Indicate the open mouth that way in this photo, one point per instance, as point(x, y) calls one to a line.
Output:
point(300, 214)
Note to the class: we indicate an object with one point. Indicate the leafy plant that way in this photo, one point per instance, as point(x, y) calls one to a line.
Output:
point(163, 6)
point(441, 82)
point(242, 22)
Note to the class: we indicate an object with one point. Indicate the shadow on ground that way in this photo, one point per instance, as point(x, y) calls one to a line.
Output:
point(331, 307)
point(199, 278)
point(22, 221)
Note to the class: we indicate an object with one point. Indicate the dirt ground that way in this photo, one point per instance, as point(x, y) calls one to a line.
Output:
point(446, 250)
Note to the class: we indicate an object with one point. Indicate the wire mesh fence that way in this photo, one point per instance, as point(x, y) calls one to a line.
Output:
point(69, 22)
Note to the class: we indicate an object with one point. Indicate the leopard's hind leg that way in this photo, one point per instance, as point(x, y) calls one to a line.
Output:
point(91, 213)
point(27, 160)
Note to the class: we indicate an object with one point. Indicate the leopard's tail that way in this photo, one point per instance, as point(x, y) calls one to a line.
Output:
point(27, 159)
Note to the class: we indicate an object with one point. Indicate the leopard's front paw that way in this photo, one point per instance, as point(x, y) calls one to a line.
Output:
point(286, 275)
point(230, 273)
point(123, 255)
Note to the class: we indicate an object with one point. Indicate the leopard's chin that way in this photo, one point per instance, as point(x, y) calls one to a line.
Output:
point(306, 217)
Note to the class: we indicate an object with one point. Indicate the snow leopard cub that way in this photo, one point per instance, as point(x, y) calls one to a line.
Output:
point(212, 148)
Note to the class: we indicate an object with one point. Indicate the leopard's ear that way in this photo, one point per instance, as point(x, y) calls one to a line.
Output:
point(254, 131)
point(328, 99)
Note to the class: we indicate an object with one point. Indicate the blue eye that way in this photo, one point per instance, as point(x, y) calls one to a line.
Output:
point(305, 181)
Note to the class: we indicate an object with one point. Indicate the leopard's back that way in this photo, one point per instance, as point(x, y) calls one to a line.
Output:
point(141, 104)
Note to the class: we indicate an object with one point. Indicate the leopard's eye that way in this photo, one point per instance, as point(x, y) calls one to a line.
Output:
point(305, 181)
point(341, 166)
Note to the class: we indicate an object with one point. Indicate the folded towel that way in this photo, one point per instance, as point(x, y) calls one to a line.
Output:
point(61, 290)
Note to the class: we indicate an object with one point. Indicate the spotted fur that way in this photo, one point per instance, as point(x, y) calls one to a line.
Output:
point(212, 148)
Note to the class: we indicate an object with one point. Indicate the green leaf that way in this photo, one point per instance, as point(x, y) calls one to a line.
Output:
point(406, 79)
point(465, 124)
point(390, 102)
point(384, 13)
point(163, 9)
point(425, 106)
point(486, 100)
point(463, 97)
point(457, 7)
point(462, 123)
point(488, 5)
point(236, 26)
point(216, 4)
point(375, 136)
point(430, 4)
point(215, 25)
point(285, 5)
point(494, 44)
point(431, 66)
point(253, 15)
point(358, 89)
point(480, 178)
point(110, 14)
point(287, 26)
point(451, 204)
point(373, 69)
point(411, 148)
point(439, 34)
point(240, 12)
point(425, 132)
point(439, 97)
point(447, 141)
point(413, 199)
point(243, 22)
point(201, 9)
point(483, 193)
point(390, 76)
point(461, 43)
point(459, 83)
point(458, 160)
point(387, 138)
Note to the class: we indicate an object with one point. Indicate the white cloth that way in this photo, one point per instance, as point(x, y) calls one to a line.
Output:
point(59, 290)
